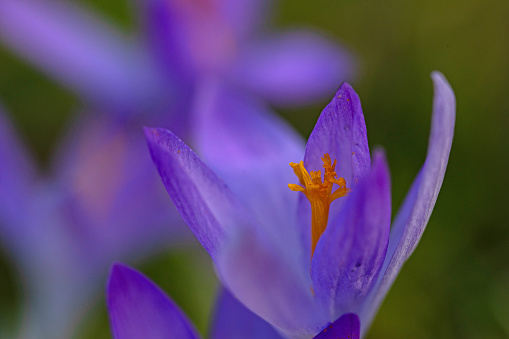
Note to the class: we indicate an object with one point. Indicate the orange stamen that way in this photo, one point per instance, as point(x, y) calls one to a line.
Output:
point(319, 193)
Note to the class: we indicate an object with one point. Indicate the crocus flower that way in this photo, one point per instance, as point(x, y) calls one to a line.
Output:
point(182, 41)
point(140, 309)
point(100, 202)
point(258, 232)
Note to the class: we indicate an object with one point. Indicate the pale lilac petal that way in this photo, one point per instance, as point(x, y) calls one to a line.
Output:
point(234, 131)
point(205, 203)
point(250, 148)
point(70, 45)
point(341, 132)
point(292, 68)
point(234, 320)
point(346, 327)
point(350, 253)
point(165, 33)
point(190, 38)
point(244, 16)
point(17, 178)
point(270, 285)
point(139, 309)
point(418, 205)
point(113, 191)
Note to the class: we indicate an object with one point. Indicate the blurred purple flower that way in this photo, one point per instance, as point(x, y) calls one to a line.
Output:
point(238, 205)
point(101, 201)
point(139, 309)
point(183, 42)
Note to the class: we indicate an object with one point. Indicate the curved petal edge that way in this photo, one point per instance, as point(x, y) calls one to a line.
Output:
point(205, 203)
point(413, 216)
point(351, 251)
point(140, 309)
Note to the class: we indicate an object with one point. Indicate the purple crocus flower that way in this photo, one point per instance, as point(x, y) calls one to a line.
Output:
point(140, 309)
point(259, 233)
point(182, 42)
point(100, 202)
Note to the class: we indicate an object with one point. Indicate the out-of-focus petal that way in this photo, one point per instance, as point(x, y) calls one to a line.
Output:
point(190, 38)
point(234, 320)
point(270, 285)
point(113, 190)
point(166, 37)
point(341, 132)
point(420, 200)
point(236, 132)
point(139, 309)
point(205, 203)
point(292, 68)
point(17, 177)
point(350, 253)
point(243, 16)
point(346, 327)
point(79, 51)
point(250, 148)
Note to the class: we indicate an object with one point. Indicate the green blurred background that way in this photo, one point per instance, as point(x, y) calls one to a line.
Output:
point(456, 285)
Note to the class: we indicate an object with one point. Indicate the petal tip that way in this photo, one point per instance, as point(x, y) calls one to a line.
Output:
point(444, 105)
point(345, 87)
point(380, 159)
point(118, 268)
point(161, 139)
point(345, 84)
point(151, 132)
point(438, 76)
point(346, 95)
point(117, 273)
point(442, 85)
point(379, 154)
point(381, 171)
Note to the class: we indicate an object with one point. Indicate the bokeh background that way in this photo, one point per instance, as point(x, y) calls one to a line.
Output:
point(456, 285)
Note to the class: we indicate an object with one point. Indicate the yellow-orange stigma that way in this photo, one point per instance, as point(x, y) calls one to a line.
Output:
point(319, 193)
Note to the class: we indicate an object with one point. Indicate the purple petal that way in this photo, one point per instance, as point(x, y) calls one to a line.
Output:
point(270, 285)
point(350, 253)
point(207, 206)
point(235, 132)
point(190, 38)
point(115, 195)
point(346, 327)
point(341, 132)
point(164, 31)
point(234, 320)
point(17, 177)
point(78, 50)
point(251, 148)
point(292, 68)
point(243, 16)
point(419, 202)
point(139, 309)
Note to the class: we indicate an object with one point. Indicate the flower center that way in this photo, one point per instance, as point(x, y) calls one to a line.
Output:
point(319, 193)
